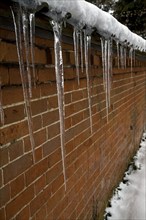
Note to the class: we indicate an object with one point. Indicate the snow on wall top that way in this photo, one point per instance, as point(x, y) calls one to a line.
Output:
point(85, 13)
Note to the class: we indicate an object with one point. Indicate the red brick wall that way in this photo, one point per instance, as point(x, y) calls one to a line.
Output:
point(94, 162)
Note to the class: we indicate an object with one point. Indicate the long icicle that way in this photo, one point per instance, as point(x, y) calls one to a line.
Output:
point(76, 52)
point(57, 29)
point(103, 59)
point(106, 48)
point(81, 51)
point(32, 51)
point(24, 76)
point(106, 76)
point(118, 54)
point(87, 47)
point(131, 60)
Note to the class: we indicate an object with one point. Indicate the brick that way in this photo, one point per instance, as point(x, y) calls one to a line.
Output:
point(7, 34)
point(51, 145)
point(42, 213)
point(15, 77)
point(68, 98)
point(27, 144)
point(12, 95)
point(40, 200)
point(9, 52)
point(1, 177)
point(77, 95)
point(17, 167)
point(24, 214)
point(46, 75)
point(4, 195)
point(12, 132)
point(19, 202)
point(4, 156)
point(38, 106)
point(40, 56)
point(53, 130)
point(35, 171)
point(55, 157)
point(17, 185)
point(40, 137)
point(4, 75)
point(53, 201)
point(48, 89)
point(52, 102)
point(37, 123)
point(38, 154)
point(14, 114)
point(68, 123)
point(69, 73)
point(77, 118)
point(2, 214)
point(54, 172)
point(15, 150)
point(40, 184)
point(60, 207)
point(50, 117)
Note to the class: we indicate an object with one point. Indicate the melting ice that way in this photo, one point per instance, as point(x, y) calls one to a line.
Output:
point(57, 29)
point(21, 25)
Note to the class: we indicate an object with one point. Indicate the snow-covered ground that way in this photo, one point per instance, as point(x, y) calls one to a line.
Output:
point(129, 199)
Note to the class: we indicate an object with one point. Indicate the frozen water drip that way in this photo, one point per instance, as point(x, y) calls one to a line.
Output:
point(57, 29)
point(20, 17)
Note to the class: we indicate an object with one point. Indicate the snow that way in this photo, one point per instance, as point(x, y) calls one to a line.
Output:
point(88, 14)
point(129, 201)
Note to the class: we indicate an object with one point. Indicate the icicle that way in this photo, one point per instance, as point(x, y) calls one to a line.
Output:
point(131, 60)
point(1, 105)
point(32, 34)
point(103, 59)
point(87, 46)
point(109, 68)
point(118, 54)
point(122, 56)
point(76, 52)
point(134, 57)
point(18, 20)
point(125, 57)
point(81, 51)
point(25, 24)
point(106, 46)
point(57, 29)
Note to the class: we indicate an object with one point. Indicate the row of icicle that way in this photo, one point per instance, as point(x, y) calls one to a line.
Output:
point(24, 24)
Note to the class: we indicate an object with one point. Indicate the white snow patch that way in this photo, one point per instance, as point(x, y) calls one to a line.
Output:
point(129, 201)
point(90, 15)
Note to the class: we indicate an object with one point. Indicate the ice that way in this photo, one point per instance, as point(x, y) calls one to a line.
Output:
point(81, 50)
point(19, 18)
point(25, 25)
point(125, 57)
point(122, 56)
point(118, 53)
point(32, 36)
point(131, 59)
point(106, 48)
point(57, 29)
point(76, 37)
point(87, 48)
point(1, 105)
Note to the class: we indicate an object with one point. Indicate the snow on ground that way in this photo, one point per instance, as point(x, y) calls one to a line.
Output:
point(129, 200)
